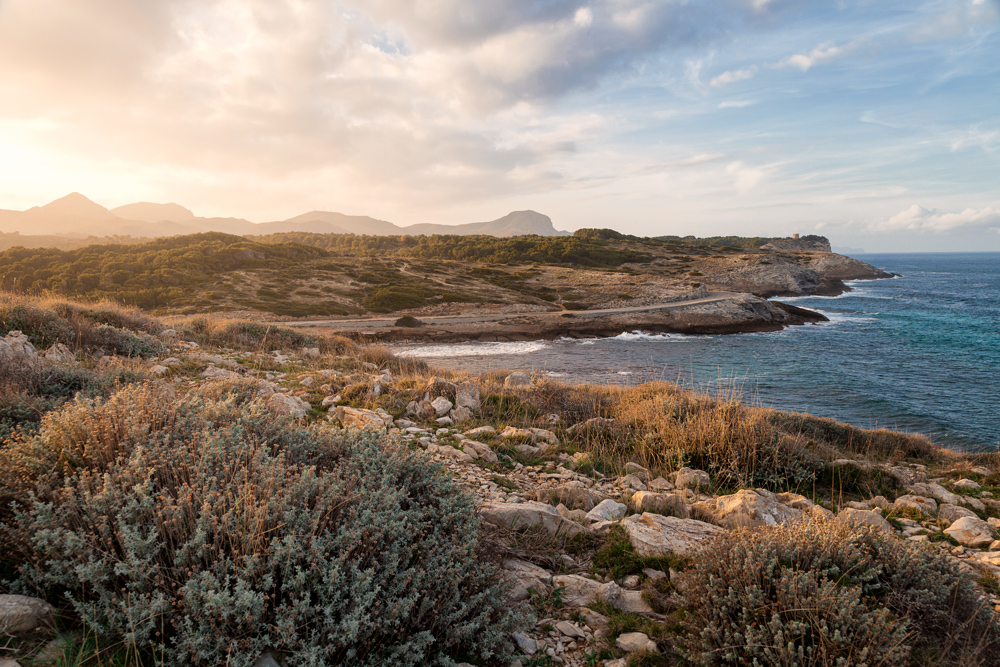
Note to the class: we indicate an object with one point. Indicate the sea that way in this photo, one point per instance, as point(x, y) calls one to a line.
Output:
point(919, 353)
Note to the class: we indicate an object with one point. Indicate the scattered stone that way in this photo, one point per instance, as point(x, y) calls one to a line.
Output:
point(442, 406)
point(948, 513)
point(157, 369)
point(654, 575)
point(528, 645)
point(289, 405)
point(517, 380)
point(577, 591)
point(16, 346)
point(607, 510)
point(671, 504)
point(570, 630)
point(526, 577)
point(632, 482)
point(523, 515)
point(655, 536)
point(266, 659)
point(659, 484)
point(215, 373)
point(686, 478)
point(637, 470)
point(311, 352)
point(359, 418)
point(449, 452)
point(572, 496)
point(993, 523)
point(478, 450)
point(965, 484)
point(595, 423)
point(460, 414)
point(20, 613)
point(925, 506)
point(635, 641)
point(621, 599)
point(467, 396)
point(747, 508)
point(935, 491)
point(860, 518)
point(59, 354)
point(971, 532)
point(480, 432)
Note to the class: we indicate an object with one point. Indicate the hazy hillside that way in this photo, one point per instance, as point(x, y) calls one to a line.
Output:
point(75, 217)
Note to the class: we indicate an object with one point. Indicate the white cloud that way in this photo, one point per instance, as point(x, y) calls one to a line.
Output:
point(745, 178)
point(822, 54)
point(733, 76)
point(920, 219)
point(736, 104)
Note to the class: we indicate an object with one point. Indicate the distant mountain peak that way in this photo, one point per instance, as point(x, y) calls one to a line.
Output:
point(149, 212)
point(74, 204)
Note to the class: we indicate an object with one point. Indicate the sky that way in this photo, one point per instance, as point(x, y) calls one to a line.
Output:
point(873, 122)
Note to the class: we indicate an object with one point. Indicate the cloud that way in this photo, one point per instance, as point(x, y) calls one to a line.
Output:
point(736, 104)
point(822, 54)
point(920, 219)
point(733, 76)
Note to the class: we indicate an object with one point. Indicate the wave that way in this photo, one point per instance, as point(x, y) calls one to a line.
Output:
point(660, 337)
point(471, 349)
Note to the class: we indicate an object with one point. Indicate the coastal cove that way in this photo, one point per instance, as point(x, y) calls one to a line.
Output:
point(915, 353)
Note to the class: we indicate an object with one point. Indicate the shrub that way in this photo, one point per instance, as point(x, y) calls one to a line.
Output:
point(408, 321)
point(124, 343)
point(246, 335)
point(823, 593)
point(43, 328)
point(206, 531)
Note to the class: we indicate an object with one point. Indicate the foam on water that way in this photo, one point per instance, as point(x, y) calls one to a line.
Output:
point(471, 349)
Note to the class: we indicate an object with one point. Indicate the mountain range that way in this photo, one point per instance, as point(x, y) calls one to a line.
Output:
point(75, 216)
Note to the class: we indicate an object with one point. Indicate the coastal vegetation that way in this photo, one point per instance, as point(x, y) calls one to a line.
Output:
point(245, 489)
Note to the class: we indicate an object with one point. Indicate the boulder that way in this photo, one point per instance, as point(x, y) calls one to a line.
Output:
point(747, 508)
point(971, 532)
point(526, 577)
point(861, 518)
point(670, 504)
point(631, 482)
point(460, 414)
point(517, 380)
point(966, 484)
point(478, 450)
point(439, 387)
point(467, 396)
point(359, 418)
point(442, 406)
point(655, 536)
point(925, 506)
point(570, 495)
point(607, 510)
point(16, 346)
point(289, 405)
point(631, 642)
point(686, 478)
point(479, 432)
point(59, 354)
point(948, 513)
point(637, 470)
point(660, 484)
point(215, 373)
point(935, 491)
point(449, 452)
point(577, 591)
point(542, 435)
point(621, 599)
point(20, 613)
point(527, 514)
point(570, 630)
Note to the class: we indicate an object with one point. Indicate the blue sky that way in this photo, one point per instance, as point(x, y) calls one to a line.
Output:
point(875, 123)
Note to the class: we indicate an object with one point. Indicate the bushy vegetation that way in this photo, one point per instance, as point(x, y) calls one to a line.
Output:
point(822, 593)
point(204, 530)
point(150, 275)
point(245, 335)
point(103, 326)
point(558, 250)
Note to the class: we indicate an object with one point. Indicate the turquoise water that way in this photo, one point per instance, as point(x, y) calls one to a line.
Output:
point(918, 353)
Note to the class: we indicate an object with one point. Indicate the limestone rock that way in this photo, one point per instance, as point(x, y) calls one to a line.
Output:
point(621, 599)
point(574, 497)
point(637, 470)
point(19, 613)
point(542, 435)
point(596, 424)
point(655, 536)
point(686, 478)
point(570, 630)
point(359, 418)
point(671, 504)
point(439, 387)
point(517, 380)
point(467, 396)
point(966, 484)
point(523, 515)
point(16, 346)
point(871, 518)
point(59, 354)
point(607, 510)
point(631, 482)
point(479, 432)
point(460, 414)
point(478, 450)
point(449, 452)
point(442, 406)
point(635, 641)
point(526, 577)
point(157, 369)
point(937, 492)
point(971, 532)
point(577, 591)
point(289, 405)
point(216, 373)
point(925, 506)
point(949, 513)
point(659, 484)
point(747, 508)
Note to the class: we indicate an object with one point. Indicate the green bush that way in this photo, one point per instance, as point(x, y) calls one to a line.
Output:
point(206, 530)
point(42, 327)
point(408, 321)
point(823, 593)
point(250, 335)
